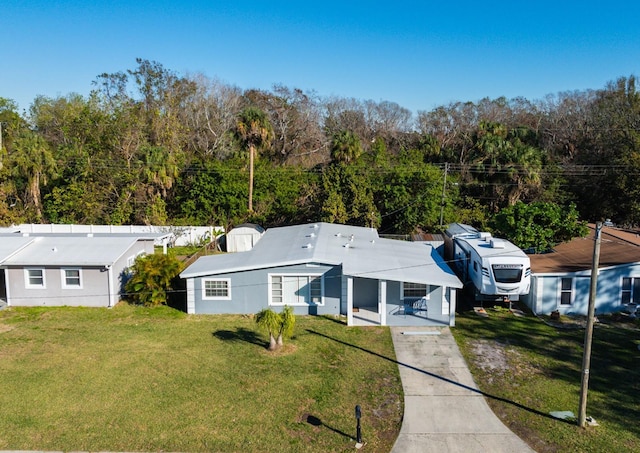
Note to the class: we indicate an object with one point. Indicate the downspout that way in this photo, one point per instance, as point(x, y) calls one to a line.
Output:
point(110, 285)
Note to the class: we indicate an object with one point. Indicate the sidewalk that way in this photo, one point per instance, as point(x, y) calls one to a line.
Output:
point(443, 410)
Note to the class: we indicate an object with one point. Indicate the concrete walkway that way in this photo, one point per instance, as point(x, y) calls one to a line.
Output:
point(443, 410)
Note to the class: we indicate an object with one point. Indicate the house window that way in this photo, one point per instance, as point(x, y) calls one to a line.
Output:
point(216, 289)
point(34, 278)
point(71, 278)
point(566, 291)
point(295, 289)
point(630, 290)
point(414, 290)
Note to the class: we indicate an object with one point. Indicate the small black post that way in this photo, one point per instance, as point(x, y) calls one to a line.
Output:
point(358, 430)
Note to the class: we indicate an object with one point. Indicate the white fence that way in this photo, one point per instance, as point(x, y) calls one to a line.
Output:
point(181, 235)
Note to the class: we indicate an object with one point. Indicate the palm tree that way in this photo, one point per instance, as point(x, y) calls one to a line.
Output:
point(287, 323)
point(254, 130)
point(278, 325)
point(33, 160)
point(160, 169)
point(152, 276)
point(507, 162)
point(346, 147)
point(269, 320)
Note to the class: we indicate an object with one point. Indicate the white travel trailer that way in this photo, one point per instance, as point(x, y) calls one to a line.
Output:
point(496, 268)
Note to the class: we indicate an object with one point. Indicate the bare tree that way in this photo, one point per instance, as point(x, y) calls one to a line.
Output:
point(211, 115)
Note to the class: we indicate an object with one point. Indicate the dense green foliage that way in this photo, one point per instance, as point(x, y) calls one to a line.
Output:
point(151, 279)
point(149, 146)
point(538, 225)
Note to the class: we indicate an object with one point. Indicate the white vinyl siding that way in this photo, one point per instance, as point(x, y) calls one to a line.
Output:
point(71, 278)
point(216, 289)
point(34, 279)
point(294, 290)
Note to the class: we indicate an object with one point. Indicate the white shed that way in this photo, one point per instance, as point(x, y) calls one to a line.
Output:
point(243, 237)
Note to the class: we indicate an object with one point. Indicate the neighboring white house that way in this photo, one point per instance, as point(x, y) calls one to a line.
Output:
point(328, 269)
point(77, 270)
point(561, 279)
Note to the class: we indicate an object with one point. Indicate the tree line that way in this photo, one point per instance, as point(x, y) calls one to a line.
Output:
point(150, 146)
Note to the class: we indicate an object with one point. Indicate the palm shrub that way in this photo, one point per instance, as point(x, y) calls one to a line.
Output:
point(287, 323)
point(152, 278)
point(278, 325)
point(269, 320)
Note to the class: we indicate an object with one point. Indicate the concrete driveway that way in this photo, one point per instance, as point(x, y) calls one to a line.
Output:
point(443, 409)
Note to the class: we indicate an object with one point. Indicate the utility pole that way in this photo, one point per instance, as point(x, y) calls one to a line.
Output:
point(588, 334)
point(444, 189)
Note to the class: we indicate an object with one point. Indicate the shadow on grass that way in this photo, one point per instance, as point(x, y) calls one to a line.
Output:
point(240, 334)
point(315, 421)
point(335, 319)
point(450, 381)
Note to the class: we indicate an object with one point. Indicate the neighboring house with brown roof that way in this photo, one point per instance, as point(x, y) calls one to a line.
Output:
point(561, 279)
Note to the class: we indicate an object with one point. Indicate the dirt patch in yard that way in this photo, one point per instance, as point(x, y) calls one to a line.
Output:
point(496, 359)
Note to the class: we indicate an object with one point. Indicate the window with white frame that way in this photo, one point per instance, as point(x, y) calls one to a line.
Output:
point(34, 278)
point(216, 289)
point(630, 290)
point(71, 278)
point(414, 290)
point(287, 289)
point(566, 291)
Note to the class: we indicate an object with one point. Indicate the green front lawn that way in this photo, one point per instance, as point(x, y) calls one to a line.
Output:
point(137, 379)
point(528, 368)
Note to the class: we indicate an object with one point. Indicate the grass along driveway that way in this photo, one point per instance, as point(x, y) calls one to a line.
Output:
point(528, 369)
point(137, 379)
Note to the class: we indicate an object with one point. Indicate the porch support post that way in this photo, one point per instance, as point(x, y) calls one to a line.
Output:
point(382, 301)
point(347, 288)
point(452, 306)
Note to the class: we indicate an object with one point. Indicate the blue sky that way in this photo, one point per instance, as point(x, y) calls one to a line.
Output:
point(417, 54)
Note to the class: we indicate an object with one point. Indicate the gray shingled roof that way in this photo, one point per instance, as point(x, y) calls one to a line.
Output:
point(360, 251)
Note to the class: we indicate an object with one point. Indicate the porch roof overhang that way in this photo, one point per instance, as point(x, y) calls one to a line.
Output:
point(404, 262)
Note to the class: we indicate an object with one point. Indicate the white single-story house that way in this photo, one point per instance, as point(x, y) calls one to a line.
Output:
point(328, 269)
point(67, 269)
point(561, 279)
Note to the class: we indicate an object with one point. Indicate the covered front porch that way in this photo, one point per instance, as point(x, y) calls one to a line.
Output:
point(365, 317)
point(371, 302)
